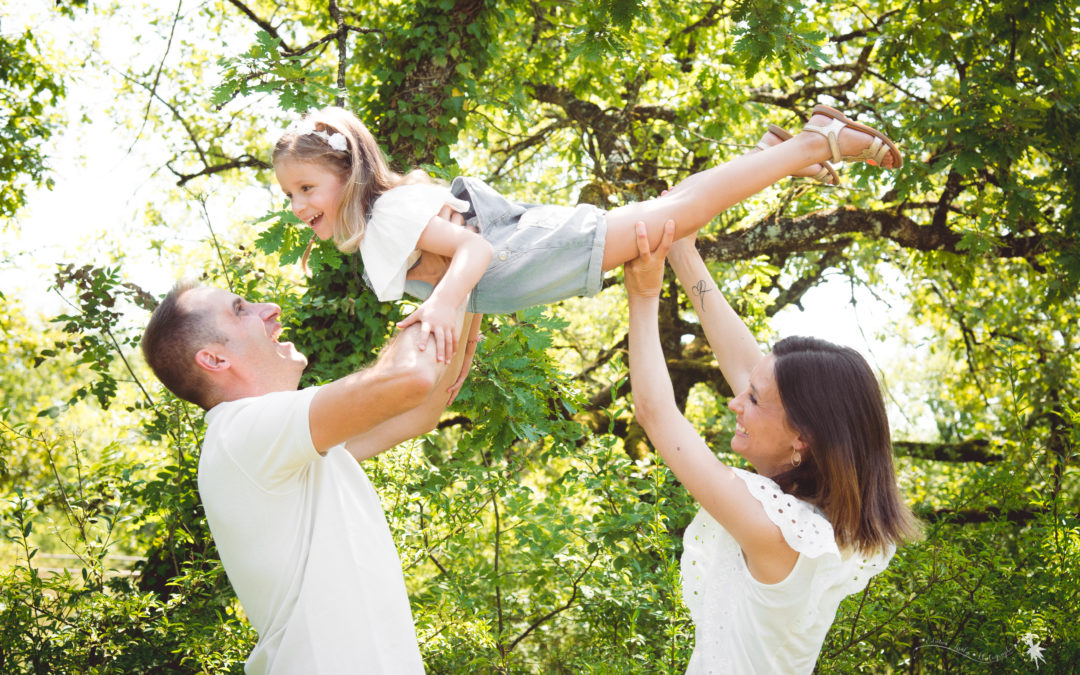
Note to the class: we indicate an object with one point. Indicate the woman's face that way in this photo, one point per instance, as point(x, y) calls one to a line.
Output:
point(762, 434)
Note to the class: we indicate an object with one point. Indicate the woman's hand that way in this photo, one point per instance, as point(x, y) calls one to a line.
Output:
point(644, 275)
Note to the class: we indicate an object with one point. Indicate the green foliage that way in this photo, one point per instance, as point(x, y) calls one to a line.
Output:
point(285, 238)
point(263, 69)
point(93, 327)
point(767, 29)
point(30, 87)
point(537, 533)
point(90, 617)
point(523, 537)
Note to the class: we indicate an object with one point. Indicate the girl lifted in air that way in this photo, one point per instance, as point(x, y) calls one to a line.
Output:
point(512, 256)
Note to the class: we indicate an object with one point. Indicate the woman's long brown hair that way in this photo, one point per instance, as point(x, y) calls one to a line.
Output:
point(831, 397)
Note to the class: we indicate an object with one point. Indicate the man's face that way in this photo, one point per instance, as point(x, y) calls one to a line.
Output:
point(251, 344)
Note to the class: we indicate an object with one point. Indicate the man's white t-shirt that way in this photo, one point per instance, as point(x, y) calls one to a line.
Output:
point(304, 542)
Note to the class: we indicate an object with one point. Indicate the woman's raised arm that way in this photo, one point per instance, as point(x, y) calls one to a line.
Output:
point(712, 483)
point(736, 350)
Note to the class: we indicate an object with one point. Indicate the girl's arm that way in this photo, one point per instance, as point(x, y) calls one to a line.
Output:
point(736, 350)
point(713, 484)
point(469, 255)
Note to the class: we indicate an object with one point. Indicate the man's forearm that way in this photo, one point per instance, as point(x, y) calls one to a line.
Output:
point(402, 378)
point(411, 423)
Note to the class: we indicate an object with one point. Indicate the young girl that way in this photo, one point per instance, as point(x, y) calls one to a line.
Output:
point(771, 554)
point(513, 255)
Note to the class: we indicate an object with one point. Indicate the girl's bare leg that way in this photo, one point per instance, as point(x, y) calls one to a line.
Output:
point(701, 197)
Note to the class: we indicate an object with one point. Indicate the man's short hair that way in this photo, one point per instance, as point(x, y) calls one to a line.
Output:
point(172, 338)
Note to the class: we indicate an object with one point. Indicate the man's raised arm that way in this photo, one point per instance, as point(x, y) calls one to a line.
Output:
point(402, 378)
point(419, 420)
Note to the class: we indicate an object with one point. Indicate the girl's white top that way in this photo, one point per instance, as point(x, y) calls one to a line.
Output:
point(397, 219)
point(745, 626)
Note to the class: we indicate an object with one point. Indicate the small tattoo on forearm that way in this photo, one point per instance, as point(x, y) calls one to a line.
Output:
point(700, 289)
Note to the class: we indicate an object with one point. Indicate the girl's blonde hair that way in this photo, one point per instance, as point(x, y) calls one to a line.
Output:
point(361, 166)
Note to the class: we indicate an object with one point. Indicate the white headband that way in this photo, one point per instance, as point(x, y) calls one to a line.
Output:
point(335, 140)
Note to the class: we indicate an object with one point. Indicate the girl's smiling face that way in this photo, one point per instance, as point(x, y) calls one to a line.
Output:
point(315, 192)
point(762, 433)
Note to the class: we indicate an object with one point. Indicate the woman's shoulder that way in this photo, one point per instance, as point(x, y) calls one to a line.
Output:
point(804, 526)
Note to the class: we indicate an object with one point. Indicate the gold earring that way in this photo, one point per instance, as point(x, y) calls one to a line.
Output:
point(796, 458)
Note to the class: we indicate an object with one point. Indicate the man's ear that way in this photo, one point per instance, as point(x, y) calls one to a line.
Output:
point(211, 360)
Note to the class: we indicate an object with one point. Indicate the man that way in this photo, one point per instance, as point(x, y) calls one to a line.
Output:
point(299, 528)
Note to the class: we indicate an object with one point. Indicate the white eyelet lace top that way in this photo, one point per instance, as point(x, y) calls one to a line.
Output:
point(745, 626)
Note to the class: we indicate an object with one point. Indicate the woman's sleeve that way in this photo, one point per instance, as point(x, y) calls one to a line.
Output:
point(397, 219)
point(805, 529)
point(809, 533)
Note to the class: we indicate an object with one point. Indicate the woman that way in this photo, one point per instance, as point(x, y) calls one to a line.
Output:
point(770, 555)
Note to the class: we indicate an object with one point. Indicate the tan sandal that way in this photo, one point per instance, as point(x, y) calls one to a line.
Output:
point(879, 148)
point(828, 174)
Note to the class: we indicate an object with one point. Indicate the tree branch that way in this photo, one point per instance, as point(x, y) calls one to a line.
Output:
point(793, 235)
point(237, 163)
point(263, 24)
point(988, 515)
point(792, 294)
point(974, 450)
point(567, 605)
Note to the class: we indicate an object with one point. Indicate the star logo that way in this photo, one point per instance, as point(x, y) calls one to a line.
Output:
point(1034, 648)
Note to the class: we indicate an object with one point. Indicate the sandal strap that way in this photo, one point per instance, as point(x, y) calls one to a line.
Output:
point(828, 175)
point(879, 151)
point(831, 132)
point(875, 152)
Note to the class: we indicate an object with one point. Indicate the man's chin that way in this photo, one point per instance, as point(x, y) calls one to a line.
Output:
point(288, 350)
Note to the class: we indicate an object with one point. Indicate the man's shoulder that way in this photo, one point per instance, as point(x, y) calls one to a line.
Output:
point(252, 414)
point(267, 436)
point(269, 399)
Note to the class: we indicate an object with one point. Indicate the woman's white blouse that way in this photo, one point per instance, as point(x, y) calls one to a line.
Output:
point(397, 219)
point(745, 626)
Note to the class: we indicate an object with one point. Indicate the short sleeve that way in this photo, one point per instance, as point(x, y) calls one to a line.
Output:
point(832, 573)
point(397, 219)
point(805, 528)
point(267, 437)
